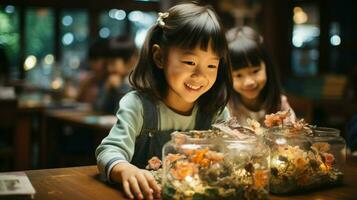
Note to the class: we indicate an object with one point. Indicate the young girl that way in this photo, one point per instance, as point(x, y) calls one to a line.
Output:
point(182, 81)
point(256, 85)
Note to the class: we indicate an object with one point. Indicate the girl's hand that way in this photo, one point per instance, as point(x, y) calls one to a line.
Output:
point(136, 182)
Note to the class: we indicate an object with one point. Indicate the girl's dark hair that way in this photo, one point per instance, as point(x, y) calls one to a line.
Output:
point(247, 49)
point(186, 26)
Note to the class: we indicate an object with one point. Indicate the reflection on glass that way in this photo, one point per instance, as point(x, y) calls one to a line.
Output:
point(39, 37)
point(9, 37)
point(112, 23)
point(305, 40)
point(140, 23)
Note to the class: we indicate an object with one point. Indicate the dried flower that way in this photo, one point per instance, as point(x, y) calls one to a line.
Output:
point(214, 156)
point(154, 163)
point(300, 163)
point(171, 158)
point(198, 156)
point(321, 146)
point(329, 159)
point(276, 119)
point(183, 169)
point(260, 179)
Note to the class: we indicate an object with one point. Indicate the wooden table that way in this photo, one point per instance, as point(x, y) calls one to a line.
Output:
point(82, 183)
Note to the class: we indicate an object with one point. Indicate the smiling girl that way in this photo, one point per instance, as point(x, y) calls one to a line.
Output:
point(182, 82)
point(256, 85)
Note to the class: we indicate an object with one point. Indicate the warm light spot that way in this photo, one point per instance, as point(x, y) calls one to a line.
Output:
point(30, 62)
point(49, 59)
point(57, 83)
point(300, 16)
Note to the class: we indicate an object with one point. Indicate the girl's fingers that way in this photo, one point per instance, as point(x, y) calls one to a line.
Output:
point(144, 186)
point(127, 191)
point(152, 183)
point(134, 186)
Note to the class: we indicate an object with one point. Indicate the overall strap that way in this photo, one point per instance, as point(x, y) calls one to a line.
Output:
point(203, 120)
point(150, 120)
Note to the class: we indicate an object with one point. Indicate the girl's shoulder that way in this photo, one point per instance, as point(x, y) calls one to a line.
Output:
point(136, 100)
point(284, 102)
point(131, 99)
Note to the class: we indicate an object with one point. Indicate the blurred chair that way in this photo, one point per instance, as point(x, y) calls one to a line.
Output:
point(8, 122)
point(303, 107)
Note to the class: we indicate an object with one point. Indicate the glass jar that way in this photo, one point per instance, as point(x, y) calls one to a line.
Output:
point(213, 165)
point(301, 161)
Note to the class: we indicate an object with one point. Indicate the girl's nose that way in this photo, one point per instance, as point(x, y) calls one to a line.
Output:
point(249, 82)
point(197, 72)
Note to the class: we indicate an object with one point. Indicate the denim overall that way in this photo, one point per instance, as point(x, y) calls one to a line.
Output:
point(150, 141)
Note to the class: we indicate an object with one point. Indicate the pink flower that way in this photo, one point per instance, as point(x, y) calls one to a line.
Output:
point(276, 119)
point(154, 163)
point(329, 159)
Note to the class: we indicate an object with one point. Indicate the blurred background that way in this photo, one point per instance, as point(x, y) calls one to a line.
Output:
point(47, 49)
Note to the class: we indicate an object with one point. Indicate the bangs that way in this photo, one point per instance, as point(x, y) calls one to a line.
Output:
point(203, 30)
point(245, 54)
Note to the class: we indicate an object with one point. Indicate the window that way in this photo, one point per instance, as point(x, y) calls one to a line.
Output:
point(305, 40)
point(9, 38)
point(112, 23)
point(39, 49)
point(74, 33)
point(140, 23)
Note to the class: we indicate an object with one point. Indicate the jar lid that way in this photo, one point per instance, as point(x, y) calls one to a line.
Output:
point(325, 131)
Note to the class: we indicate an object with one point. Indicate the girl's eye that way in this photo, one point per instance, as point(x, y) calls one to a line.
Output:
point(212, 66)
point(256, 71)
point(189, 62)
point(238, 76)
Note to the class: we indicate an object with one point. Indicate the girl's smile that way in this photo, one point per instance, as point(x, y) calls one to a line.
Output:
point(193, 87)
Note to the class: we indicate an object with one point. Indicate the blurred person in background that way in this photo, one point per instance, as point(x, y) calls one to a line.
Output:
point(120, 60)
point(91, 82)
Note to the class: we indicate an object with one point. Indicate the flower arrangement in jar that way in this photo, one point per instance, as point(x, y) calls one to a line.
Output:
point(298, 161)
point(214, 165)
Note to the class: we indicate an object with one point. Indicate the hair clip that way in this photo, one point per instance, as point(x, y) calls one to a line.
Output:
point(160, 19)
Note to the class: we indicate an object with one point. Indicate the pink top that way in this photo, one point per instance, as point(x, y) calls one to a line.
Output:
point(243, 113)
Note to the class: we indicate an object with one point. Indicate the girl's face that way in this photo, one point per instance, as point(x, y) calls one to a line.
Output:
point(249, 82)
point(189, 74)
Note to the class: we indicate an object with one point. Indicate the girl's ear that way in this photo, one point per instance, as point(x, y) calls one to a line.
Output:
point(157, 56)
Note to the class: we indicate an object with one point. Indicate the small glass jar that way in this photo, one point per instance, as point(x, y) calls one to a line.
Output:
point(212, 165)
point(302, 161)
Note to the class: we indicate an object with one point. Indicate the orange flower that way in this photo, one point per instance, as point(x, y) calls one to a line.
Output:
point(260, 178)
point(300, 163)
point(183, 169)
point(321, 146)
point(154, 163)
point(198, 155)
